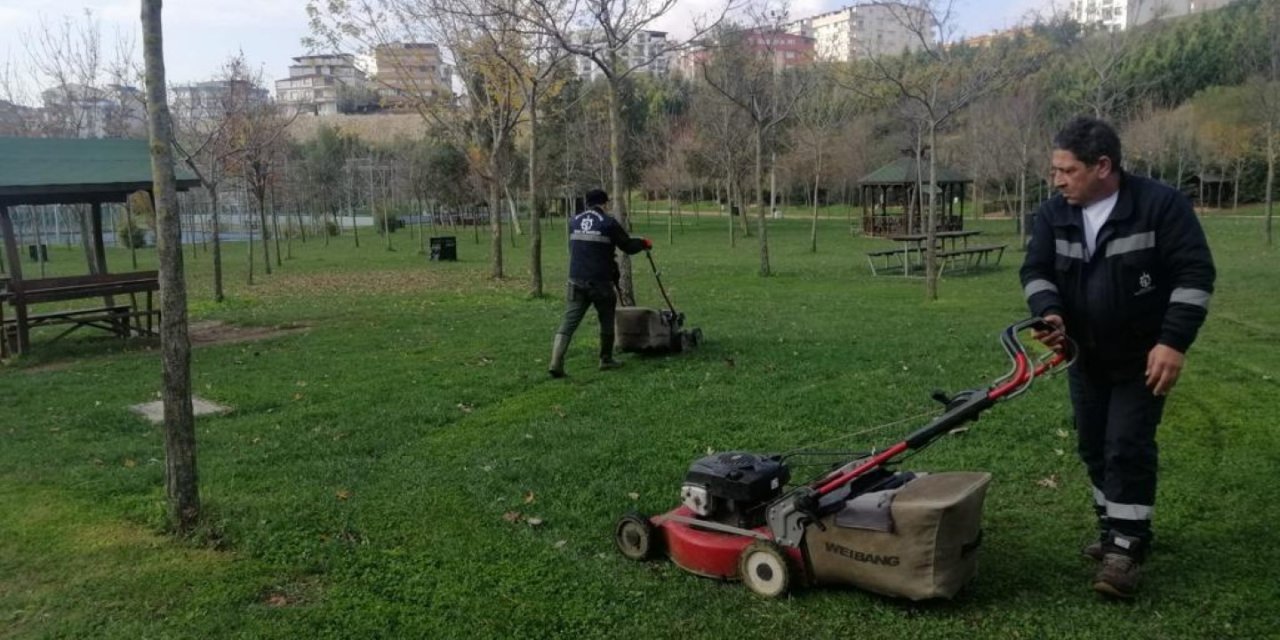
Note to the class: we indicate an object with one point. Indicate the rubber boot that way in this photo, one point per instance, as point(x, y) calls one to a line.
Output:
point(606, 353)
point(558, 349)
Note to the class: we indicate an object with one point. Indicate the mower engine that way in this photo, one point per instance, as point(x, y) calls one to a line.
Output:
point(734, 487)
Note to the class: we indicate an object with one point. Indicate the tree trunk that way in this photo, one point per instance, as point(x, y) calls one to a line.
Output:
point(217, 247)
point(931, 222)
point(760, 215)
point(495, 215)
point(817, 178)
point(1235, 185)
point(535, 204)
point(181, 487)
point(625, 285)
point(265, 234)
point(1271, 175)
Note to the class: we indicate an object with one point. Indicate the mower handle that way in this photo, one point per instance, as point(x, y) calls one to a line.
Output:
point(966, 406)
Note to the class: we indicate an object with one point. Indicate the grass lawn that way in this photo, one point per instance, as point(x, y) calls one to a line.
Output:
point(379, 471)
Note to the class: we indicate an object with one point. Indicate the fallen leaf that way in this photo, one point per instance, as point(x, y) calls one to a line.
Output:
point(277, 600)
point(1050, 482)
point(529, 497)
point(1062, 433)
point(1060, 452)
point(466, 408)
point(130, 463)
point(633, 495)
point(343, 494)
point(558, 410)
point(512, 516)
point(297, 396)
point(534, 522)
point(560, 544)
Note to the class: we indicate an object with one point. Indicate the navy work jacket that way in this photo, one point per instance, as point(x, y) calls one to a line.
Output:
point(593, 235)
point(1148, 281)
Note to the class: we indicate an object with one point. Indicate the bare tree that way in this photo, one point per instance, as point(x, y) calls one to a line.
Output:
point(206, 140)
point(821, 114)
point(181, 485)
point(746, 71)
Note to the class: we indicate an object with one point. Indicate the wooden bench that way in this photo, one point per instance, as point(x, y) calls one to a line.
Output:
point(892, 259)
point(970, 257)
point(117, 318)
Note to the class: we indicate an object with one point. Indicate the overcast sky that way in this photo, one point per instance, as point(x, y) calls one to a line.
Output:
point(201, 34)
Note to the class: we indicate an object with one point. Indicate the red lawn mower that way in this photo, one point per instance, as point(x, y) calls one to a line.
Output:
point(893, 532)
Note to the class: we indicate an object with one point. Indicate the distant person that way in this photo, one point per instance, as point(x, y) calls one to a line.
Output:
point(593, 277)
point(1119, 264)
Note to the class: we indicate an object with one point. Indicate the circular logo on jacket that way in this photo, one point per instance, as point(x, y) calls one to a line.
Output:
point(1145, 280)
point(586, 224)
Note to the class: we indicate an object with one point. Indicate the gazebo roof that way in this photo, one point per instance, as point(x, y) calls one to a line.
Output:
point(903, 171)
point(75, 170)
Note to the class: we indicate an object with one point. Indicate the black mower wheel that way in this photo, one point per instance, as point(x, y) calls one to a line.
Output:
point(764, 569)
point(636, 537)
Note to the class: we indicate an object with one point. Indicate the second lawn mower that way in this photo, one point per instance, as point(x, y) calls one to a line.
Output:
point(654, 331)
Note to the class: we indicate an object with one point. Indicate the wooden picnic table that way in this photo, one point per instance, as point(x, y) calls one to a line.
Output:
point(911, 253)
point(119, 318)
point(918, 239)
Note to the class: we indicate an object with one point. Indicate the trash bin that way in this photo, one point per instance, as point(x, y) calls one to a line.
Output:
point(38, 252)
point(444, 248)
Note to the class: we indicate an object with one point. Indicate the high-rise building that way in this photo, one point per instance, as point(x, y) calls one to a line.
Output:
point(409, 71)
point(648, 53)
point(323, 85)
point(1122, 14)
point(867, 30)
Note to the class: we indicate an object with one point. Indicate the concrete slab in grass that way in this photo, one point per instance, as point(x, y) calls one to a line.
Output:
point(154, 411)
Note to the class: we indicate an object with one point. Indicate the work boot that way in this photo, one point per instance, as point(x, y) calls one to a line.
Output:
point(1093, 551)
point(606, 353)
point(558, 349)
point(1119, 574)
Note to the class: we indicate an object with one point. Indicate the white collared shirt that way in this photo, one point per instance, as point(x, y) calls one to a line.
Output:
point(1095, 215)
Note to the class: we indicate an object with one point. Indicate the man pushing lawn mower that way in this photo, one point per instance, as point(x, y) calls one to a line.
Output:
point(1119, 264)
point(593, 278)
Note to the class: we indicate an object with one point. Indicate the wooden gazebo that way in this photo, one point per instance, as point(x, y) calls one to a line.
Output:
point(42, 171)
point(897, 184)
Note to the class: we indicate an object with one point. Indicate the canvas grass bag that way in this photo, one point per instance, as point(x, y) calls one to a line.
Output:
point(925, 548)
point(640, 329)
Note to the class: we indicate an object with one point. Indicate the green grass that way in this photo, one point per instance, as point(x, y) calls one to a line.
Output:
point(359, 487)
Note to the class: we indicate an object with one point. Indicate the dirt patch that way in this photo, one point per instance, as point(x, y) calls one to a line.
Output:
point(210, 332)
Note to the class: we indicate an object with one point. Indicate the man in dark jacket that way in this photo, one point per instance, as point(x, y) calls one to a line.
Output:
point(593, 277)
point(1119, 264)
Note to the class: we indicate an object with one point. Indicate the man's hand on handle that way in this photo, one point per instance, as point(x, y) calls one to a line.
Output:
point(648, 244)
point(1056, 338)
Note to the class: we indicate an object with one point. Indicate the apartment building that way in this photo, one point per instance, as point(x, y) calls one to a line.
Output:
point(866, 30)
point(213, 99)
point(80, 111)
point(649, 52)
point(408, 71)
point(1118, 15)
point(323, 84)
point(787, 51)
